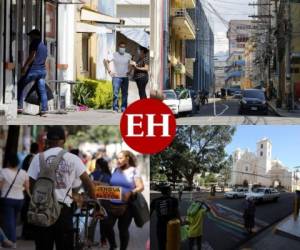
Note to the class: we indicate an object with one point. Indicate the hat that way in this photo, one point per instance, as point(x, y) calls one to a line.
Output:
point(56, 133)
point(35, 32)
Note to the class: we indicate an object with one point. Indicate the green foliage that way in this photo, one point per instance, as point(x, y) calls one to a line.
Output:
point(97, 134)
point(196, 149)
point(97, 94)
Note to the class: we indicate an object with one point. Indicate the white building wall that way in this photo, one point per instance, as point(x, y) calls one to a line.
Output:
point(66, 47)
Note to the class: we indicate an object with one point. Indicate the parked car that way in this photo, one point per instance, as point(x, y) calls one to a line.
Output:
point(254, 101)
point(264, 194)
point(181, 103)
point(236, 193)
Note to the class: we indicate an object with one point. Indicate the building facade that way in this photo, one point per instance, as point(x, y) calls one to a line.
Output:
point(238, 34)
point(259, 168)
point(219, 75)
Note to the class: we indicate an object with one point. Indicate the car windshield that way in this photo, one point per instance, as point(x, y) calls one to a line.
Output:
point(254, 94)
point(169, 95)
point(259, 190)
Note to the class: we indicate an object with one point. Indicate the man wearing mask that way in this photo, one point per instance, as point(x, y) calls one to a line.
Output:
point(34, 69)
point(118, 66)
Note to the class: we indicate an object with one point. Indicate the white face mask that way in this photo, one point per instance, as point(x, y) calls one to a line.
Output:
point(138, 51)
point(122, 50)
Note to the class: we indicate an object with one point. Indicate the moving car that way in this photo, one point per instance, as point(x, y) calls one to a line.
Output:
point(253, 100)
point(264, 194)
point(236, 193)
point(181, 103)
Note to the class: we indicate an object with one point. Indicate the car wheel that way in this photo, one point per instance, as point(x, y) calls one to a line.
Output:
point(275, 199)
point(260, 200)
point(235, 196)
point(241, 112)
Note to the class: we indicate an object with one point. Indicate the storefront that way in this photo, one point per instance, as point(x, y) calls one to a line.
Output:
point(18, 17)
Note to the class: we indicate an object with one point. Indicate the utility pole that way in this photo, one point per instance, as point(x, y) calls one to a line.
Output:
point(289, 75)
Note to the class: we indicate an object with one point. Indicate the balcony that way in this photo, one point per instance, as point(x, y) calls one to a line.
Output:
point(186, 4)
point(183, 25)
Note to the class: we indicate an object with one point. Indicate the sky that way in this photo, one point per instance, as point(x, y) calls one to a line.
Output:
point(285, 141)
point(228, 9)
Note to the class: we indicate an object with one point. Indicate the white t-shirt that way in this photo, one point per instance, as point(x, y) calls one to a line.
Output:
point(119, 64)
point(16, 191)
point(69, 170)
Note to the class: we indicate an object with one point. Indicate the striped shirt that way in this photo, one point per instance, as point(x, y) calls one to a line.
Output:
point(140, 74)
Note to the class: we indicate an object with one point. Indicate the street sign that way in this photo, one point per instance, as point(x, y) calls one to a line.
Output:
point(108, 192)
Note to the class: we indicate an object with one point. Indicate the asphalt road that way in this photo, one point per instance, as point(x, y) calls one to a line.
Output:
point(221, 235)
point(227, 114)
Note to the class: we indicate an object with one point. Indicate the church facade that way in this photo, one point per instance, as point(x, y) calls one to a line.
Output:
point(259, 168)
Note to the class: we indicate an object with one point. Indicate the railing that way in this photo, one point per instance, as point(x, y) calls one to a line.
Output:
point(184, 13)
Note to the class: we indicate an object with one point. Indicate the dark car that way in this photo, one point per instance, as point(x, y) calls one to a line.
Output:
point(253, 101)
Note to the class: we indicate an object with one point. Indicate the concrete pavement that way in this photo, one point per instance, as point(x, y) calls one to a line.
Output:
point(90, 117)
point(138, 238)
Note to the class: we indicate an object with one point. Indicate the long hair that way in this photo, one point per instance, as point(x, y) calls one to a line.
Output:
point(103, 165)
point(131, 157)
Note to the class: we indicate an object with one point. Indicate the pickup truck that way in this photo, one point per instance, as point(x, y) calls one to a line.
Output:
point(236, 193)
point(264, 194)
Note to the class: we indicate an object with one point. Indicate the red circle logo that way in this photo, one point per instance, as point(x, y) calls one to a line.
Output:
point(148, 126)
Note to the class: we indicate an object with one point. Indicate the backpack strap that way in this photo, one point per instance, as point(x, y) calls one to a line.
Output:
point(55, 162)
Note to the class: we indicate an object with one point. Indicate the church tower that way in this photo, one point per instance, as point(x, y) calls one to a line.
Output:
point(264, 155)
point(236, 156)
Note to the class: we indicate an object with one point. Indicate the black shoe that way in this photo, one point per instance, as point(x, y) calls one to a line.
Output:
point(43, 114)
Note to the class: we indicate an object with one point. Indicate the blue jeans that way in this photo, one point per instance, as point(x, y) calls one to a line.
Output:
point(11, 208)
point(39, 77)
point(120, 83)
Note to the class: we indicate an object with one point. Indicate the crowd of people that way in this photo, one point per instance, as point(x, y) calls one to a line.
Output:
point(167, 211)
point(24, 188)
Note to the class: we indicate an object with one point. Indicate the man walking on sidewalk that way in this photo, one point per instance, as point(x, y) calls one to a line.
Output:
point(34, 69)
point(69, 169)
point(118, 66)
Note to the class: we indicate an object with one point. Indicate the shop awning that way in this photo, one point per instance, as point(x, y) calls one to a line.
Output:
point(138, 35)
point(89, 28)
point(94, 16)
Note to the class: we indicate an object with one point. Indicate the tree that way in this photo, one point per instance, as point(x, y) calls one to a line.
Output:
point(196, 149)
point(225, 172)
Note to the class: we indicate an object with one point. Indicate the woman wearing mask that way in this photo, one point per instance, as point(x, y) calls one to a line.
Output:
point(13, 181)
point(141, 71)
point(129, 179)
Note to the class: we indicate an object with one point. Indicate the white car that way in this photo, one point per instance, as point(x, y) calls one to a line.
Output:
point(236, 193)
point(264, 194)
point(178, 104)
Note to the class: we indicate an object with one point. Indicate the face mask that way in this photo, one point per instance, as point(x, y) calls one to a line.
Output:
point(138, 51)
point(122, 50)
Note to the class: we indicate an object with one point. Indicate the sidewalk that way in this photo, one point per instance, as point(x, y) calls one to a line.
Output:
point(272, 240)
point(138, 238)
point(90, 117)
point(284, 112)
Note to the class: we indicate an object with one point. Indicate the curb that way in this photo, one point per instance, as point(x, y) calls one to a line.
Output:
point(275, 110)
point(241, 243)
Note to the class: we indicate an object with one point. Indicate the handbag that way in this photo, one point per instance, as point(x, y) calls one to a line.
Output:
point(140, 210)
point(33, 96)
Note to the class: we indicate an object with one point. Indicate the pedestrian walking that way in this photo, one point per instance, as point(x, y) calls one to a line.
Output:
point(66, 169)
point(118, 66)
point(13, 181)
point(141, 69)
point(28, 229)
point(166, 208)
point(126, 176)
point(100, 176)
point(34, 69)
point(249, 214)
point(195, 218)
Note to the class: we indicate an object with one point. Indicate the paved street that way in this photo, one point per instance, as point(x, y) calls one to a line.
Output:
point(226, 223)
point(227, 114)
